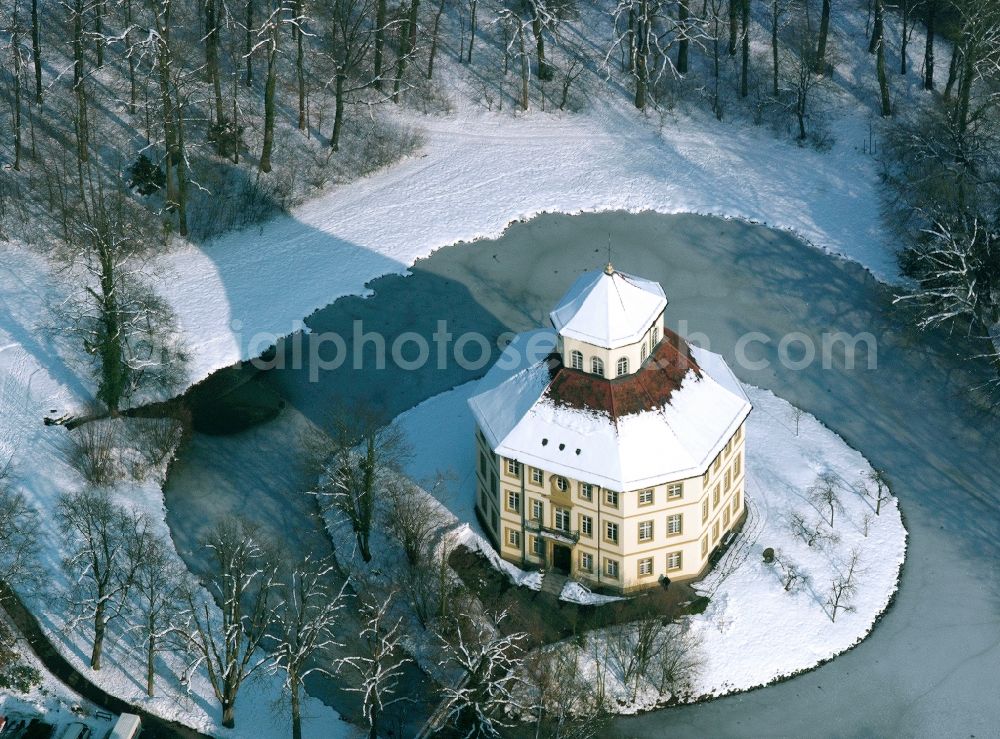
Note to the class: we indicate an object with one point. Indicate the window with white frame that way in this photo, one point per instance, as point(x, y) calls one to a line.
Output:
point(611, 532)
point(646, 567)
point(586, 491)
point(737, 465)
point(537, 510)
point(643, 353)
point(715, 531)
point(586, 561)
point(717, 463)
point(622, 366)
point(597, 366)
point(675, 523)
point(514, 538)
point(611, 498)
point(562, 484)
point(704, 545)
point(674, 560)
point(675, 491)
point(513, 467)
point(655, 338)
point(513, 501)
point(562, 519)
point(536, 476)
point(704, 510)
point(725, 516)
point(576, 359)
point(645, 531)
point(646, 496)
point(729, 479)
point(586, 526)
point(538, 545)
point(736, 502)
point(716, 494)
point(611, 568)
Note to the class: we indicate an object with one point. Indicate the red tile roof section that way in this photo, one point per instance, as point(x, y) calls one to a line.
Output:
point(650, 387)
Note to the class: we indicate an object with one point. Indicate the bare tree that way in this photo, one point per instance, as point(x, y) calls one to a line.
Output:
point(792, 577)
point(243, 583)
point(491, 665)
point(811, 534)
point(160, 582)
point(647, 31)
point(121, 322)
point(877, 47)
point(307, 619)
point(105, 547)
point(378, 668)
point(413, 518)
point(566, 704)
point(880, 491)
point(353, 457)
point(844, 587)
point(350, 41)
point(819, 61)
point(651, 652)
point(18, 537)
point(825, 495)
point(94, 452)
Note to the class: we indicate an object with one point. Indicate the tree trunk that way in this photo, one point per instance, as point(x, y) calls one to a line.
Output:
point(248, 43)
point(300, 72)
point(99, 31)
point(269, 88)
point(79, 86)
point(544, 71)
point(877, 29)
point(733, 25)
point(36, 51)
point(181, 167)
point(964, 92)
point(99, 628)
point(150, 664)
point(212, 57)
point(883, 82)
point(956, 52)
point(472, 28)
point(745, 68)
point(824, 32)
point(407, 42)
point(774, 46)
point(683, 13)
point(904, 11)
point(641, 53)
point(524, 69)
point(295, 689)
point(228, 714)
point(131, 58)
point(380, 13)
point(15, 42)
point(338, 117)
point(929, 46)
point(434, 40)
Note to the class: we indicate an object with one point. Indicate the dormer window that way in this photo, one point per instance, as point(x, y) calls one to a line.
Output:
point(597, 366)
point(623, 366)
point(576, 360)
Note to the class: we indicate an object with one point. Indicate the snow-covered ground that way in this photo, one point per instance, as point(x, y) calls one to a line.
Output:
point(35, 381)
point(753, 631)
point(477, 172)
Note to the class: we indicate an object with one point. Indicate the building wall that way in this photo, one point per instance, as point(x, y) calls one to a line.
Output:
point(610, 357)
point(507, 511)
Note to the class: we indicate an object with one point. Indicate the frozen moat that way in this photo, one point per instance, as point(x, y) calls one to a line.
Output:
point(930, 666)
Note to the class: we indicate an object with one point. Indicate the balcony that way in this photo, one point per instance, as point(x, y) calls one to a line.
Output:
point(560, 536)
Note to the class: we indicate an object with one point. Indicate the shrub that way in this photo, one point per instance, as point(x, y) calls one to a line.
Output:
point(146, 177)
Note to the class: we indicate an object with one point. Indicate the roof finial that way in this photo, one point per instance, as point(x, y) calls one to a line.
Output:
point(609, 269)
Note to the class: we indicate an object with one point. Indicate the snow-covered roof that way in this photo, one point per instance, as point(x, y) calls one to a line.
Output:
point(522, 418)
point(608, 308)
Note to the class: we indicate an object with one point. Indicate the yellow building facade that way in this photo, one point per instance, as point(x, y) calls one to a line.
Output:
point(621, 460)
